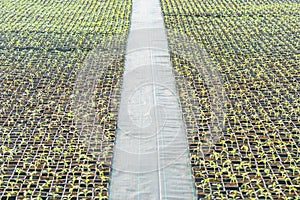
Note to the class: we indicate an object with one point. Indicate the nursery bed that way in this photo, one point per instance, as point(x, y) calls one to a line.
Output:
point(254, 46)
point(47, 150)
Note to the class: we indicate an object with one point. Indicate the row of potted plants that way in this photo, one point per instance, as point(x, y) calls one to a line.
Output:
point(254, 47)
point(43, 47)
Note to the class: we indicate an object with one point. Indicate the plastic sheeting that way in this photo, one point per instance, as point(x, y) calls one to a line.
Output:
point(151, 153)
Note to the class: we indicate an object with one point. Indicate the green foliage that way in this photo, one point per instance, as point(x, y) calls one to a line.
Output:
point(43, 45)
point(255, 47)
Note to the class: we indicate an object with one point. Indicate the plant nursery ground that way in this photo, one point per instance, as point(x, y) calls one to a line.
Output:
point(45, 150)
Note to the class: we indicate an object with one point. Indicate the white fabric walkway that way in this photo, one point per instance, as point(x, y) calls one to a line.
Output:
point(151, 153)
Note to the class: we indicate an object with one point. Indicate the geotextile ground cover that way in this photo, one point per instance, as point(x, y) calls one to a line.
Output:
point(43, 45)
point(255, 46)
